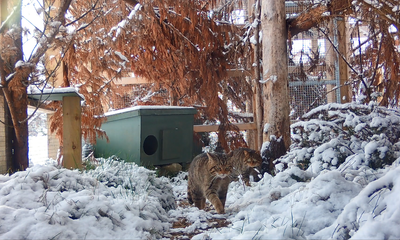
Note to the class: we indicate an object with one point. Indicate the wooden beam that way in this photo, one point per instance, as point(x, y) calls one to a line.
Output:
point(142, 80)
point(40, 110)
point(72, 141)
point(214, 128)
point(131, 80)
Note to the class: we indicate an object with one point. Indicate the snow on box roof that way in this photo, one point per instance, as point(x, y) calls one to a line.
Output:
point(53, 94)
point(149, 110)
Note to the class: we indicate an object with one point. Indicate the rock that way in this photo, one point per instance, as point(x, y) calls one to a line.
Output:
point(170, 170)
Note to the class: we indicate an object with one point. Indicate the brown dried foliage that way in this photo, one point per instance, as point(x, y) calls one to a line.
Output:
point(375, 67)
point(174, 44)
point(376, 64)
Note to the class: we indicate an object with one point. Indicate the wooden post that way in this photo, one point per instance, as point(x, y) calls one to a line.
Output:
point(72, 141)
point(53, 143)
point(331, 59)
point(345, 90)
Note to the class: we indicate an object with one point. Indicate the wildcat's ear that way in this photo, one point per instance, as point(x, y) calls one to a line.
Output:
point(246, 153)
point(210, 156)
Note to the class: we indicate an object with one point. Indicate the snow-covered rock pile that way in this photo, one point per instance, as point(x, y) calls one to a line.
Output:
point(69, 204)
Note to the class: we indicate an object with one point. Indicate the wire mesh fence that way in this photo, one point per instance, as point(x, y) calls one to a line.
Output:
point(312, 69)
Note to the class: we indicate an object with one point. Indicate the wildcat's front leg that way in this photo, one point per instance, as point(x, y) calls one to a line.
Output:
point(246, 177)
point(215, 201)
point(223, 190)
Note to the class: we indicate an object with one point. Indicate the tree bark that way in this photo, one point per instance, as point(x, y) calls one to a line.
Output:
point(257, 72)
point(275, 78)
point(19, 115)
point(17, 100)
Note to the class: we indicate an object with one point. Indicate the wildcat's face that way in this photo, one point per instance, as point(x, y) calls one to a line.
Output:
point(222, 170)
point(252, 160)
point(219, 165)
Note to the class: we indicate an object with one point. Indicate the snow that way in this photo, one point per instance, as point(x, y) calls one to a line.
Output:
point(121, 56)
point(272, 78)
point(266, 127)
point(121, 25)
point(49, 91)
point(21, 64)
point(346, 199)
point(46, 201)
point(38, 150)
point(52, 90)
point(137, 7)
point(148, 107)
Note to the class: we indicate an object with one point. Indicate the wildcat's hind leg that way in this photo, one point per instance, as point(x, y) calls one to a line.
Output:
point(196, 197)
point(189, 196)
point(199, 202)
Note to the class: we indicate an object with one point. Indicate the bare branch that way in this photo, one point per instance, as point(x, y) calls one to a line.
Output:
point(15, 12)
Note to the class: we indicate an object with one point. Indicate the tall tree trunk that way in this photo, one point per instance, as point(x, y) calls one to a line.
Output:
point(16, 97)
point(17, 101)
point(257, 72)
point(275, 80)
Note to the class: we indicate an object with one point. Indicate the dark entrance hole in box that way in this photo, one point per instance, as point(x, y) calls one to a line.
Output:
point(150, 145)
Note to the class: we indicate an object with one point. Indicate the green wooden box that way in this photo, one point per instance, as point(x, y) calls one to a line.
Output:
point(149, 135)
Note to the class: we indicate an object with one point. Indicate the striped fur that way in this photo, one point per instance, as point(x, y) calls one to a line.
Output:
point(209, 178)
point(244, 160)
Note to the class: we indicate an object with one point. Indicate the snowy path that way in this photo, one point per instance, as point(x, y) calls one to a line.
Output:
point(184, 228)
point(189, 220)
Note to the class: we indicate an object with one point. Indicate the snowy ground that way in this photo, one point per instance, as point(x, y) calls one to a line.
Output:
point(123, 201)
point(119, 201)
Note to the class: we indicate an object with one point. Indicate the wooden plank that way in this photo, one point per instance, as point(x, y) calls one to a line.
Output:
point(72, 141)
point(214, 128)
point(141, 80)
point(131, 80)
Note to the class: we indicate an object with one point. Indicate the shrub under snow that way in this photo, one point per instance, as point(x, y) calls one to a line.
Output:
point(69, 204)
point(346, 136)
point(134, 180)
point(341, 180)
